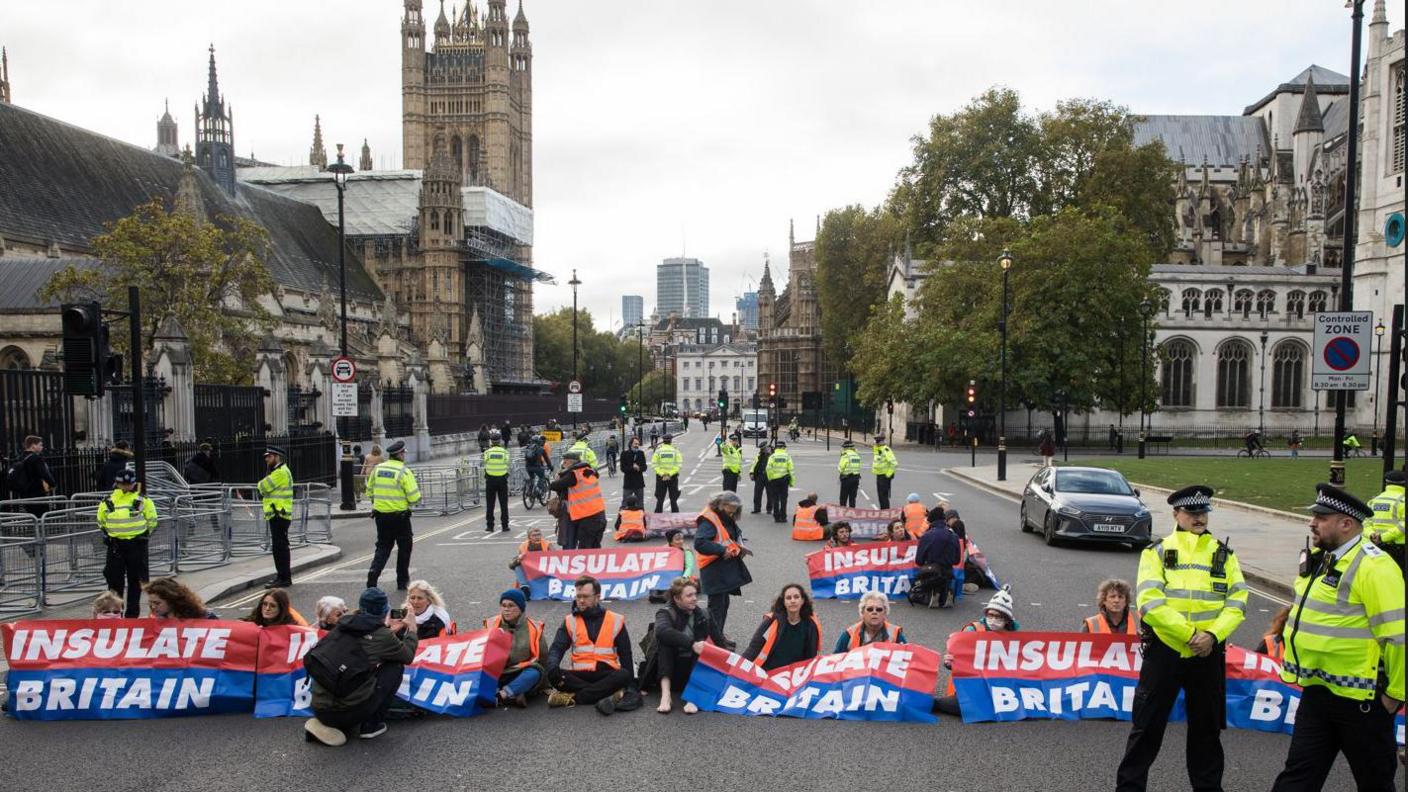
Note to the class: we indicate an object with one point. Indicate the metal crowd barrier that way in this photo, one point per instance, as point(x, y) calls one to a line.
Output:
point(72, 553)
point(441, 489)
point(313, 503)
point(202, 541)
point(21, 588)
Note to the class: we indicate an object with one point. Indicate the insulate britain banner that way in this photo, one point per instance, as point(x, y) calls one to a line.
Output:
point(658, 525)
point(877, 682)
point(128, 668)
point(849, 572)
point(451, 675)
point(1072, 676)
point(625, 573)
point(865, 523)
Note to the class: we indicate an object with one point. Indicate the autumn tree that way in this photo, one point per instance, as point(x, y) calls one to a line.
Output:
point(854, 249)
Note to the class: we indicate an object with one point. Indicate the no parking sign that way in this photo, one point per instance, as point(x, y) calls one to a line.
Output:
point(1342, 349)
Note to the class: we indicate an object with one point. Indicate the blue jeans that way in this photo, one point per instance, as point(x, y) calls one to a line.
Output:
point(524, 681)
point(959, 576)
point(520, 575)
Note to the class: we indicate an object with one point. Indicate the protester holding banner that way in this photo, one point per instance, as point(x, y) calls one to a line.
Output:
point(630, 522)
point(533, 544)
point(840, 535)
point(916, 517)
point(680, 630)
point(274, 610)
point(524, 672)
point(597, 648)
point(998, 616)
point(789, 633)
point(718, 541)
point(107, 606)
point(1191, 597)
point(896, 532)
point(169, 598)
point(1112, 597)
point(428, 607)
point(809, 520)
point(341, 702)
point(874, 625)
point(328, 610)
point(579, 485)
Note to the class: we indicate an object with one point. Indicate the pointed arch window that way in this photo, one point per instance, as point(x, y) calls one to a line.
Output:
point(1265, 302)
point(434, 220)
point(1178, 356)
point(1212, 302)
point(1295, 304)
point(1234, 374)
point(1318, 300)
point(1242, 303)
point(1287, 374)
point(1192, 301)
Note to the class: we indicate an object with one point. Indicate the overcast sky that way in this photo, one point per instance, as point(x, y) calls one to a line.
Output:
point(664, 127)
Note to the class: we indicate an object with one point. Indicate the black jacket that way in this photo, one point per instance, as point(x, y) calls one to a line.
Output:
point(201, 469)
point(724, 575)
point(675, 633)
point(760, 466)
point(811, 646)
point(562, 643)
point(633, 479)
point(117, 462)
point(938, 545)
point(36, 474)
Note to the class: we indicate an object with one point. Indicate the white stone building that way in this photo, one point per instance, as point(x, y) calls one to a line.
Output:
point(703, 370)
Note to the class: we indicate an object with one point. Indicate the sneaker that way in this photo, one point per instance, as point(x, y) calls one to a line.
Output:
point(607, 705)
point(558, 698)
point(629, 702)
point(520, 701)
point(372, 730)
point(317, 730)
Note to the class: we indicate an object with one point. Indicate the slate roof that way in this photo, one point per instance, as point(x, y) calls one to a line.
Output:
point(24, 276)
point(63, 183)
point(1191, 139)
point(1336, 119)
point(1327, 81)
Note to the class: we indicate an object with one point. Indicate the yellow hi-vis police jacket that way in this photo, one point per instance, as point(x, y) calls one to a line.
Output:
point(1180, 592)
point(666, 460)
point(849, 465)
point(125, 515)
point(883, 461)
point(276, 492)
point(733, 458)
point(393, 487)
point(1388, 515)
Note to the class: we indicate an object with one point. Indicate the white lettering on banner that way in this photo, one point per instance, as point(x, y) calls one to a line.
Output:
point(1057, 700)
point(843, 560)
point(878, 582)
point(896, 664)
point(303, 694)
point(108, 643)
point(299, 642)
point(611, 590)
point(866, 698)
point(631, 563)
point(438, 692)
point(58, 693)
point(454, 654)
point(1017, 655)
point(1271, 706)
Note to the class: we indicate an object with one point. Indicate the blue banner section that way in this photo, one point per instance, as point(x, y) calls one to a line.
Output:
point(460, 695)
point(1082, 697)
point(283, 695)
point(127, 693)
point(894, 584)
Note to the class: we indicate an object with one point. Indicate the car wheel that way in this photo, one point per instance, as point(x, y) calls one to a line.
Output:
point(1026, 526)
point(1049, 530)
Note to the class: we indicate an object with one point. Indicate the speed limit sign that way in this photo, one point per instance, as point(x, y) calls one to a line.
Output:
point(343, 369)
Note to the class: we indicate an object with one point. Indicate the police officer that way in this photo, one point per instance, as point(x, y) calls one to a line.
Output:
point(393, 491)
point(1385, 528)
point(759, 474)
point(666, 461)
point(1191, 597)
point(276, 494)
point(849, 468)
point(1344, 647)
point(496, 464)
point(781, 475)
point(584, 448)
point(127, 519)
point(732, 464)
point(884, 465)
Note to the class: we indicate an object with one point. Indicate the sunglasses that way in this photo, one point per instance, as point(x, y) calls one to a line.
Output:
point(874, 609)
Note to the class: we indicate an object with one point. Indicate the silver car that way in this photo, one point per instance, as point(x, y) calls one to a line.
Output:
point(1084, 504)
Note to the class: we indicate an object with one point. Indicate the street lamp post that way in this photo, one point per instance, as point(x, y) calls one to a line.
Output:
point(1378, 372)
point(1261, 393)
point(1351, 193)
point(640, 371)
point(1146, 310)
point(1005, 261)
point(574, 283)
point(340, 171)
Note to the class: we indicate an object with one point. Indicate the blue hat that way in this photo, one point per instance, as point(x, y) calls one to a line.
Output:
point(1196, 499)
point(516, 597)
point(373, 601)
point(125, 476)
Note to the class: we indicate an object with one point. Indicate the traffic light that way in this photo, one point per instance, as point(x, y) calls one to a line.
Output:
point(623, 404)
point(84, 348)
point(723, 401)
point(772, 390)
point(972, 392)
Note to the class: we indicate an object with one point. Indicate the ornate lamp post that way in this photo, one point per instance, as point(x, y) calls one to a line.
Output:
point(1378, 371)
point(1261, 393)
point(340, 170)
point(1146, 311)
point(1005, 261)
point(574, 283)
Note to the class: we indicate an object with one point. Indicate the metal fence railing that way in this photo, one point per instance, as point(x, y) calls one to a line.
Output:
point(21, 590)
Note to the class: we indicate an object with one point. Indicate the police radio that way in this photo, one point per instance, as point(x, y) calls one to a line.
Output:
point(1219, 559)
point(1170, 558)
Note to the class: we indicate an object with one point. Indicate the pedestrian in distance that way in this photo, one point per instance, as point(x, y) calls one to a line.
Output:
point(127, 520)
point(1344, 646)
point(781, 474)
point(524, 673)
point(667, 460)
point(597, 648)
point(496, 465)
point(1191, 596)
point(1046, 446)
point(732, 464)
point(483, 437)
point(120, 458)
point(759, 475)
point(789, 633)
point(633, 467)
point(579, 487)
point(394, 491)
point(30, 477)
point(718, 541)
point(849, 470)
point(276, 499)
point(883, 464)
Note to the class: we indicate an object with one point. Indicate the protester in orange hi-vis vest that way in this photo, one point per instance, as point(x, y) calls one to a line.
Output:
point(916, 517)
point(533, 544)
point(1114, 616)
point(718, 541)
point(1273, 644)
point(523, 673)
point(874, 625)
point(630, 522)
point(597, 648)
point(809, 520)
point(789, 633)
point(579, 486)
point(998, 616)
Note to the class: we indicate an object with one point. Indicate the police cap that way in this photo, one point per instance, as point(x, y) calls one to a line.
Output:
point(1196, 499)
point(1333, 500)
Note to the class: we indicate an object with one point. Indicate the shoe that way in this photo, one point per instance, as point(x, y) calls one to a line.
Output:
point(281, 584)
point(558, 698)
point(630, 701)
point(323, 733)
point(657, 597)
point(729, 644)
point(607, 705)
point(520, 701)
point(372, 730)
point(490, 529)
point(756, 511)
point(503, 529)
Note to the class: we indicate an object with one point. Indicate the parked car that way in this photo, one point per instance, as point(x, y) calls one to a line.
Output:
point(1084, 504)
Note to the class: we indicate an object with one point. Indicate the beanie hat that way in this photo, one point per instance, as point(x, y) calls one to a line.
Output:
point(1001, 602)
point(373, 601)
point(516, 597)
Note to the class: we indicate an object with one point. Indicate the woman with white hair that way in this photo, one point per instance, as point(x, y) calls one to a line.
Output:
point(328, 610)
point(874, 625)
point(718, 544)
point(432, 620)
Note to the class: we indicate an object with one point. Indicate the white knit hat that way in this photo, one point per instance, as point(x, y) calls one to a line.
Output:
point(1001, 602)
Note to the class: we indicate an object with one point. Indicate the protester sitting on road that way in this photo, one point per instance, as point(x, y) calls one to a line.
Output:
point(960, 566)
point(425, 602)
point(389, 644)
point(916, 517)
point(274, 610)
point(533, 544)
point(523, 673)
point(328, 610)
point(680, 630)
point(169, 598)
point(840, 535)
point(630, 522)
point(874, 625)
point(997, 617)
point(896, 532)
point(675, 538)
point(789, 633)
point(107, 606)
point(1273, 644)
point(939, 550)
point(809, 520)
point(1115, 616)
point(597, 648)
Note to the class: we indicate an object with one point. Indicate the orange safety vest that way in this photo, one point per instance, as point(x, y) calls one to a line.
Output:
point(916, 519)
point(1099, 624)
point(1276, 646)
point(584, 496)
point(770, 638)
point(724, 539)
point(632, 522)
point(962, 553)
point(586, 653)
point(805, 528)
point(977, 626)
point(535, 638)
point(542, 547)
point(892, 633)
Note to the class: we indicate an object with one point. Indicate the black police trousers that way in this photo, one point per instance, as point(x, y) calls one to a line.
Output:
point(1203, 682)
point(392, 528)
point(127, 563)
point(496, 489)
point(730, 481)
point(278, 545)
point(777, 496)
point(1327, 724)
point(760, 489)
point(671, 487)
point(882, 490)
point(850, 485)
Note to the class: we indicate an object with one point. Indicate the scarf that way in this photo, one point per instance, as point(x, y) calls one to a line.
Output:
point(433, 610)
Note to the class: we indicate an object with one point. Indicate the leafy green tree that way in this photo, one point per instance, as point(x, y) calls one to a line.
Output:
point(606, 366)
point(658, 386)
point(210, 276)
point(853, 254)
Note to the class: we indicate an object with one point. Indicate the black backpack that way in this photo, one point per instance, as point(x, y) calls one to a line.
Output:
point(17, 478)
point(339, 663)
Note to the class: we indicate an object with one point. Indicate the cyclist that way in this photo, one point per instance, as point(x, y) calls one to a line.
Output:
point(793, 430)
point(613, 450)
point(1252, 439)
point(536, 463)
point(654, 436)
point(1352, 447)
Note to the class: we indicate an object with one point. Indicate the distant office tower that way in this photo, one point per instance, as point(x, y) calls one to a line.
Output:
point(632, 309)
point(747, 306)
point(682, 287)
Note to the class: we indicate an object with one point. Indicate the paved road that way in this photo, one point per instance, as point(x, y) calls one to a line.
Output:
point(512, 750)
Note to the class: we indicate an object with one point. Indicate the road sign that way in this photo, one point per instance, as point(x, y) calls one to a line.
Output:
point(343, 369)
point(1341, 341)
point(344, 400)
point(574, 402)
point(574, 387)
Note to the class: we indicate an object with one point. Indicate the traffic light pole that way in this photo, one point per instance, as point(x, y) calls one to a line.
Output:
point(139, 406)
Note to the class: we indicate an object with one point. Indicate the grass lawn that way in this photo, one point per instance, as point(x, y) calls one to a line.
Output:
point(1283, 483)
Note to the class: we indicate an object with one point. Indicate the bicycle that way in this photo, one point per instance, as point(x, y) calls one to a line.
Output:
point(535, 490)
point(611, 465)
point(1258, 453)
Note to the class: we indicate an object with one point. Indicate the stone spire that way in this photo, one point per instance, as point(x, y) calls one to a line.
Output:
point(188, 200)
point(215, 134)
point(4, 76)
point(442, 28)
point(166, 142)
point(317, 155)
point(1380, 16)
point(365, 163)
point(1309, 119)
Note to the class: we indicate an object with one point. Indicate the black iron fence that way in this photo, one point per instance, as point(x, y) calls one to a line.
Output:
point(303, 410)
point(397, 411)
point(154, 394)
point(33, 403)
point(455, 413)
point(229, 411)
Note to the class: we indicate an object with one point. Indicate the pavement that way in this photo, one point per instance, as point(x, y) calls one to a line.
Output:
point(538, 748)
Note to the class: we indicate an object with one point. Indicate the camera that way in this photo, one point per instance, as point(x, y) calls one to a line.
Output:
point(398, 613)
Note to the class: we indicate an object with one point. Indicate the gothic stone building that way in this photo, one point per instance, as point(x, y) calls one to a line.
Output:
point(790, 351)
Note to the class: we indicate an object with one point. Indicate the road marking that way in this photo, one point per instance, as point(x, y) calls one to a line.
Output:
point(1271, 597)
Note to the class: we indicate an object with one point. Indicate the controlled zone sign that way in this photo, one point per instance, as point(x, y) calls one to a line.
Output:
point(343, 369)
point(1342, 347)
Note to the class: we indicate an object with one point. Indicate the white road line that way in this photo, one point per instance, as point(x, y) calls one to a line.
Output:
point(1265, 595)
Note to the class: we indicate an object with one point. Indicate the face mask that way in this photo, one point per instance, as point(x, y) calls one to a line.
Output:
point(997, 622)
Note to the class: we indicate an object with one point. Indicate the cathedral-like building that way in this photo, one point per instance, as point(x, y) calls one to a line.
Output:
point(790, 351)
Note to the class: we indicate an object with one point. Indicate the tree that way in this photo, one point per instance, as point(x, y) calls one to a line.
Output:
point(606, 365)
point(209, 276)
point(853, 253)
point(658, 386)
